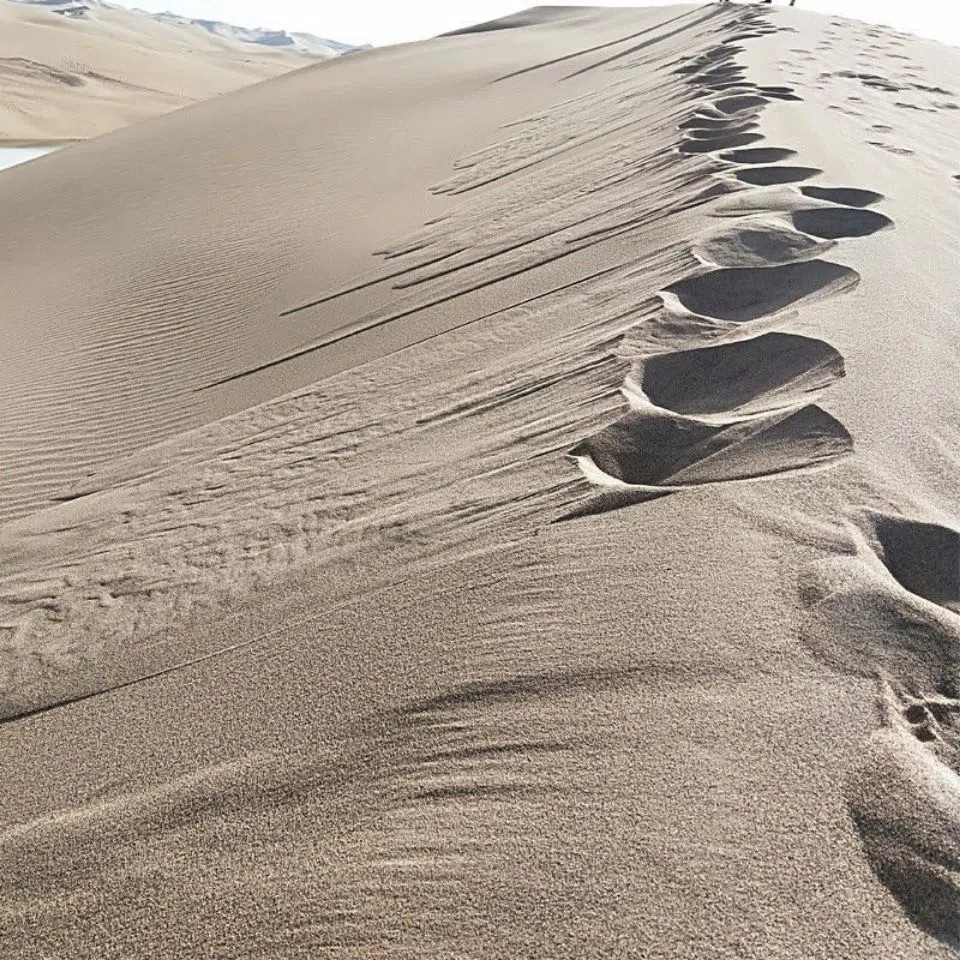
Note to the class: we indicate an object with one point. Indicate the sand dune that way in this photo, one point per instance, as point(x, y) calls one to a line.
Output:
point(71, 78)
point(522, 524)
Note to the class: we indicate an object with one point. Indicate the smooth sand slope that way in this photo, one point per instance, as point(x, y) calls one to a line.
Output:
point(493, 497)
point(70, 78)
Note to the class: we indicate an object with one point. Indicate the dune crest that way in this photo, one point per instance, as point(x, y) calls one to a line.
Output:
point(510, 514)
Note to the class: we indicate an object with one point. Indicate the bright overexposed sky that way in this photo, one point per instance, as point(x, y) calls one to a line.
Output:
point(396, 21)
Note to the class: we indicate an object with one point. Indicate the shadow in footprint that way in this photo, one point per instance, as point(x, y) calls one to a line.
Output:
point(770, 176)
point(759, 243)
point(747, 101)
point(846, 196)
point(655, 450)
point(906, 807)
point(923, 558)
point(719, 143)
point(709, 133)
point(750, 377)
point(834, 223)
point(743, 294)
point(758, 155)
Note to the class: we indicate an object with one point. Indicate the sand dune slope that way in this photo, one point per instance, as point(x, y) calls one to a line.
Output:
point(523, 524)
point(71, 78)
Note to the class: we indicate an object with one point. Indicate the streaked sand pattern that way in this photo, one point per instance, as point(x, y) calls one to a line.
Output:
point(511, 512)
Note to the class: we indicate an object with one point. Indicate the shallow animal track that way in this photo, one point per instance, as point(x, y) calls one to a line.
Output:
point(933, 718)
point(642, 449)
point(743, 294)
point(839, 222)
point(746, 377)
point(771, 176)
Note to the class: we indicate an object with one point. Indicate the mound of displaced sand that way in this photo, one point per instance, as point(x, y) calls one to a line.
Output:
point(492, 497)
point(69, 72)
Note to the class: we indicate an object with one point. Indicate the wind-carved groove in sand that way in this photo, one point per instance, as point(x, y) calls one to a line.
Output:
point(735, 409)
point(493, 239)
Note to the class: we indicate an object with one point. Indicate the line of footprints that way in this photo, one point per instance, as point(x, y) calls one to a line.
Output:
point(736, 407)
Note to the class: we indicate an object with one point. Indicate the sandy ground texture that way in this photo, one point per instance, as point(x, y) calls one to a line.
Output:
point(522, 524)
point(66, 78)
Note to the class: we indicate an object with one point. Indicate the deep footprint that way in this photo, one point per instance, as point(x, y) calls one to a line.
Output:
point(834, 223)
point(759, 243)
point(771, 176)
point(672, 451)
point(749, 377)
point(923, 558)
point(720, 143)
point(906, 808)
point(743, 294)
point(747, 101)
point(758, 155)
point(845, 196)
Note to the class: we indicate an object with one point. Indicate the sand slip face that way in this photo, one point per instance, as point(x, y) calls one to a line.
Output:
point(69, 78)
point(583, 582)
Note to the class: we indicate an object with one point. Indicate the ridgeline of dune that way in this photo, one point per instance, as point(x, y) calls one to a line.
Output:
point(492, 497)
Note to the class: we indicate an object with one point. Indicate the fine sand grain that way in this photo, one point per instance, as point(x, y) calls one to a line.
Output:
point(493, 497)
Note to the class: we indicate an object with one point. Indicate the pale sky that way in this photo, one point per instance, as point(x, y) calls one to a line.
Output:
point(396, 21)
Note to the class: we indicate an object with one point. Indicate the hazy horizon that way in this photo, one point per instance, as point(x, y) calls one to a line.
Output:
point(382, 23)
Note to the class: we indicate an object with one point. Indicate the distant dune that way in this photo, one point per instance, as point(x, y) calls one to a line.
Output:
point(493, 497)
point(71, 70)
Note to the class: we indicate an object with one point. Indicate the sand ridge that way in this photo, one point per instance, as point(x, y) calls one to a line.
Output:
point(566, 578)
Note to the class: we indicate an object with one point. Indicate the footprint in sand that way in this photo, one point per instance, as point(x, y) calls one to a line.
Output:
point(923, 558)
point(845, 196)
point(904, 793)
point(835, 223)
point(758, 155)
point(771, 176)
point(746, 378)
point(758, 242)
point(739, 295)
point(724, 142)
point(675, 451)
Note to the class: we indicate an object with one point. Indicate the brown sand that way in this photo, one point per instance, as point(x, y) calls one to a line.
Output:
point(549, 543)
point(64, 78)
